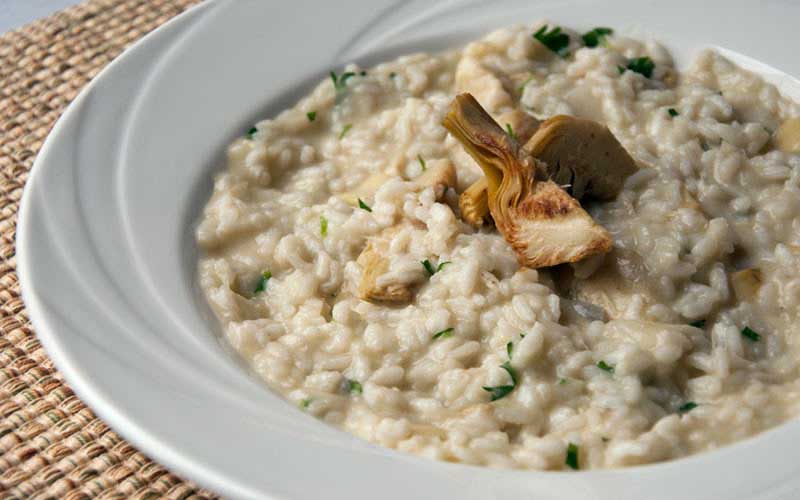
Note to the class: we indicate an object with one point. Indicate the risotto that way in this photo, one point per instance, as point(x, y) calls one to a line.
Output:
point(344, 271)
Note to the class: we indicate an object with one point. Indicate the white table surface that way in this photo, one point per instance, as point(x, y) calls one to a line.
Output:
point(15, 13)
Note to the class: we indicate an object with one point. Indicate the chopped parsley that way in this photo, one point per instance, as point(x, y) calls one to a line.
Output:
point(392, 75)
point(501, 391)
point(596, 36)
point(572, 456)
point(363, 205)
point(363, 73)
point(510, 349)
point(323, 225)
point(422, 162)
point(447, 332)
point(562, 381)
point(642, 65)
point(345, 130)
point(687, 407)
point(700, 323)
point(251, 132)
point(353, 386)
point(672, 112)
point(340, 82)
point(605, 366)
point(604, 439)
point(621, 69)
point(524, 84)
point(262, 283)
point(751, 334)
point(433, 270)
point(311, 115)
point(554, 40)
point(510, 132)
point(305, 403)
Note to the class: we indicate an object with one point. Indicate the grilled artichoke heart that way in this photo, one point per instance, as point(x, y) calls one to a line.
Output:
point(581, 155)
point(543, 224)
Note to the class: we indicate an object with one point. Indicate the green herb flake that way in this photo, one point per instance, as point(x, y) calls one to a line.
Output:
point(554, 40)
point(501, 391)
point(422, 162)
point(311, 115)
point(524, 84)
point(353, 386)
point(446, 333)
point(687, 407)
point(572, 456)
point(562, 381)
point(604, 439)
point(700, 323)
point(304, 404)
point(510, 349)
point(642, 65)
point(251, 132)
point(672, 112)
point(621, 69)
point(323, 225)
point(507, 367)
point(596, 36)
point(751, 334)
point(340, 83)
point(363, 73)
point(433, 270)
point(510, 132)
point(363, 205)
point(392, 75)
point(605, 366)
point(262, 283)
point(345, 130)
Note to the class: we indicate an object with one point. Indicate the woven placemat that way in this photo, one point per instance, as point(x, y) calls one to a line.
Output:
point(51, 444)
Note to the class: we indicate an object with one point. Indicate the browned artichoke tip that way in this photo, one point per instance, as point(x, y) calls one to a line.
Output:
point(474, 203)
point(542, 223)
point(583, 155)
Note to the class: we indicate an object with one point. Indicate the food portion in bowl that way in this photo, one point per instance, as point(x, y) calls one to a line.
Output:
point(599, 267)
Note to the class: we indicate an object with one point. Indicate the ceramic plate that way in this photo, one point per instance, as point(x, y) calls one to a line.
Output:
point(107, 260)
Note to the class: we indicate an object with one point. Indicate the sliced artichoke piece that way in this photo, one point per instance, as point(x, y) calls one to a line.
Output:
point(787, 138)
point(440, 175)
point(474, 203)
point(583, 155)
point(543, 224)
point(473, 77)
point(608, 288)
point(375, 263)
point(366, 189)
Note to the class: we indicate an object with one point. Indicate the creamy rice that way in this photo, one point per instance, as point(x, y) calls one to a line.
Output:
point(603, 350)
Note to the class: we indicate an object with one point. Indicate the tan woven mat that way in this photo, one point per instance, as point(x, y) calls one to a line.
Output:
point(51, 444)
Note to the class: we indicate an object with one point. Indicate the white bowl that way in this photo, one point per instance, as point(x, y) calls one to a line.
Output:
point(106, 253)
